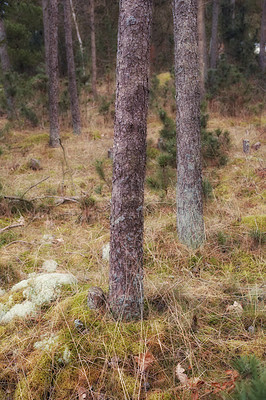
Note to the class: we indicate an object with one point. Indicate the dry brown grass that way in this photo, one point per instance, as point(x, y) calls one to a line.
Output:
point(186, 292)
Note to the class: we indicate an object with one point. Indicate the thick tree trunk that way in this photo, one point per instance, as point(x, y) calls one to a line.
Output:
point(45, 13)
point(93, 50)
point(53, 74)
point(262, 56)
point(126, 253)
point(202, 46)
point(72, 83)
point(6, 68)
point(190, 223)
point(214, 35)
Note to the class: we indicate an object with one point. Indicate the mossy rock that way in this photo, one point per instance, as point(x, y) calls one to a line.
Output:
point(255, 221)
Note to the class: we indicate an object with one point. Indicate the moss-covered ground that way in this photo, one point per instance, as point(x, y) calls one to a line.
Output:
point(187, 293)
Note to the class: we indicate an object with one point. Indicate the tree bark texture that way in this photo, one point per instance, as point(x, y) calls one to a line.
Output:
point(53, 74)
point(72, 83)
point(214, 34)
point(202, 46)
point(190, 223)
point(126, 249)
point(93, 50)
point(6, 68)
point(262, 56)
point(45, 13)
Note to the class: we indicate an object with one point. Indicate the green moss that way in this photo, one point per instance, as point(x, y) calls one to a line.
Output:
point(163, 78)
point(168, 395)
point(36, 139)
point(36, 384)
point(255, 221)
point(65, 383)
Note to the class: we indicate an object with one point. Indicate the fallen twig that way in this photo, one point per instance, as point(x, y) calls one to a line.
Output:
point(19, 223)
point(35, 184)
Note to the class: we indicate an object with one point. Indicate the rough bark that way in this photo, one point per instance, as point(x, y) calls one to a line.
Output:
point(72, 83)
point(93, 50)
point(262, 56)
point(190, 223)
point(202, 46)
point(6, 68)
point(126, 249)
point(214, 34)
point(45, 13)
point(53, 74)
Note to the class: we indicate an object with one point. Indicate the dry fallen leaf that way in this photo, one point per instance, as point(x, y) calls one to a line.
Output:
point(180, 374)
point(144, 360)
point(235, 308)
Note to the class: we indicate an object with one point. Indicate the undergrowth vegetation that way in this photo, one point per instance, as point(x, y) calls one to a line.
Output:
point(202, 334)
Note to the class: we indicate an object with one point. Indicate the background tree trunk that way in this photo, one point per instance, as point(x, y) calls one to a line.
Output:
point(262, 56)
point(53, 73)
point(78, 36)
point(72, 83)
point(126, 251)
point(214, 34)
point(6, 68)
point(45, 12)
point(190, 223)
point(202, 46)
point(93, 50)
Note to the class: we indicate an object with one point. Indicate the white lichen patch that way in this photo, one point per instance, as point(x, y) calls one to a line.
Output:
point(49, 266)
point(22, 310)
point(2, 292)
point(106, 252)
point(39, 289)
point(47, 344)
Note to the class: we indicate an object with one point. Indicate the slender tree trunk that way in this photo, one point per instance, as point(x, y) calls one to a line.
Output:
point(233, 5)
point(93, 50)
point(126, 253)
point(72, 83)
point(78, 36)
point(190, 223)
point(45, 13)
point(202, 46)
point(214, 35)
point(262, 56)
point(53, 74)
point(6, 68)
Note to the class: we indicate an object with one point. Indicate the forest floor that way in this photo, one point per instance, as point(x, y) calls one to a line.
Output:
point(203, 308)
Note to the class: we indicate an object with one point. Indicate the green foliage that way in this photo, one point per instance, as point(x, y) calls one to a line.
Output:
point(207, 189)
point(258, 236)
point(253, 383)
point(214, 147)
point(28, 113)
point(23, 21)
point(6, 129)
point(100, 169)
point(7, 237)
point(240, 26)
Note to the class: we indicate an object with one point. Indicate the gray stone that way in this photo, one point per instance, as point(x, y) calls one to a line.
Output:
point(251, 329)
point(96, 298)
point(110, 153)
point(79, 325)
point(35, 164)
point(256, 146)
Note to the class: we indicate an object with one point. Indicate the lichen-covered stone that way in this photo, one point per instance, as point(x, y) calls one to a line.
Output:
point(96, 298)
